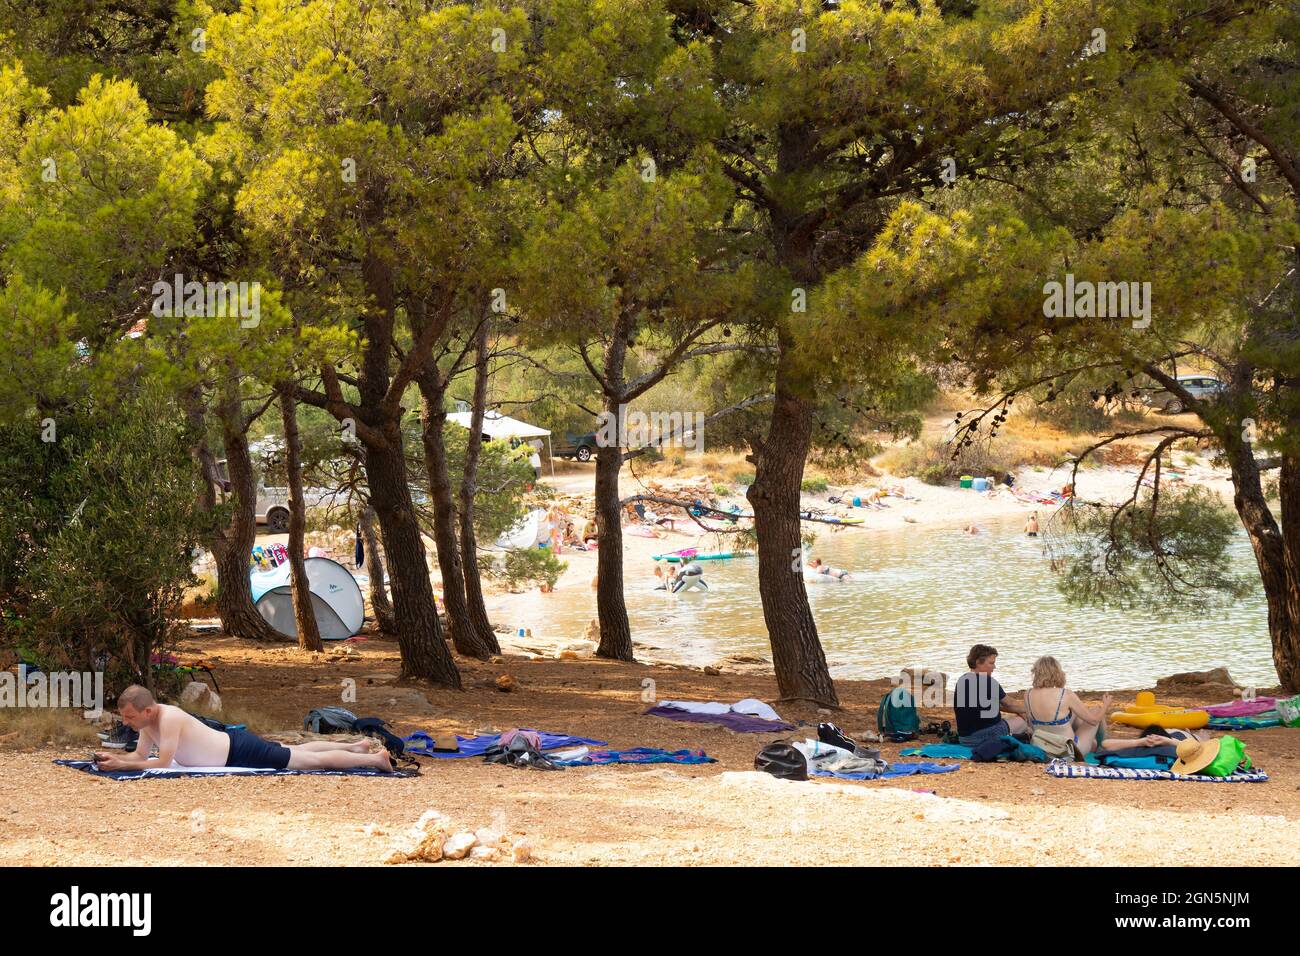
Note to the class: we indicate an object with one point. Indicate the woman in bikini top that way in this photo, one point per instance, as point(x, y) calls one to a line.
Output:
point(1073, 727)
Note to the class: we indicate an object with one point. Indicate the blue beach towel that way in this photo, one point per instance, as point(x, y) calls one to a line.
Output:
point(421, 743)
point(901, 769)
point(638, 755)
point(943, 751)
point(87, 766)
point(1019, 752)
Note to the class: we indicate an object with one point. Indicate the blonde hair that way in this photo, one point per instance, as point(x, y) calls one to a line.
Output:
point(1048, 673)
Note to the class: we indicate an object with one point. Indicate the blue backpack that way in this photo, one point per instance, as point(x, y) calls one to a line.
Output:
point(897, 718)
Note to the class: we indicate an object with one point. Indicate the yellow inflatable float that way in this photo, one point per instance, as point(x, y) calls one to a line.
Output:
point(1145, 712)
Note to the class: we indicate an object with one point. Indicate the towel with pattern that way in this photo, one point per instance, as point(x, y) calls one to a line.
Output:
point(421, 744)
point(1063, 768)
point(635, 755)
point(171, 773)
point(900, 769)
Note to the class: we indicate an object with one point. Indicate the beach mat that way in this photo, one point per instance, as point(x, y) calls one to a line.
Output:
point(1064, 768)
point(900, 769)
point(740, 723)
point(421, 744)
point(637, 755)
point(88, 766)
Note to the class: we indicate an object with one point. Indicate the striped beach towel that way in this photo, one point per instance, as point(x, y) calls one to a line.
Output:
point(1064, 768)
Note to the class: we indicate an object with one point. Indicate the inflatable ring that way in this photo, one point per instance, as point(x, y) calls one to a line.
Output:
point(1182, 719)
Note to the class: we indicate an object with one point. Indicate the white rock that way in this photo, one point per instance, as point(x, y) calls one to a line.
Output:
point(521, 852)
point(486, 853)
point(486, 836)
point(459, 845)
point(196, 693)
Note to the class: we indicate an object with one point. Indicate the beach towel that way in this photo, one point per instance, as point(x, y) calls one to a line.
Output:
point(1063, 768)
point(1014, 750)
point(1242, 708)
point(750, 706)
point(635, 755)
point(740, 723)
point(421, 744)
point(901, 769)
point(170, 773)
point(1258, 722)
point(946, 751)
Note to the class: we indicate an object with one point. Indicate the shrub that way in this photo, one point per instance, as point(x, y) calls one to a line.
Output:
point(721, 489)
point(523, 568)
point(813, 486)
point(97, 536)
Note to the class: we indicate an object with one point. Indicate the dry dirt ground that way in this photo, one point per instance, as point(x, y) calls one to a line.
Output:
point(721, 813)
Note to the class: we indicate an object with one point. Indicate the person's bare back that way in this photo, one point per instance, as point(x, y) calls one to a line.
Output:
point(197, 744)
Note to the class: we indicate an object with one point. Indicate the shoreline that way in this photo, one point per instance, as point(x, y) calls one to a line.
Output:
point(937, 507)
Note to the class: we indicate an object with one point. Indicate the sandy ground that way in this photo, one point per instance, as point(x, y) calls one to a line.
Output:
point(1002, 814)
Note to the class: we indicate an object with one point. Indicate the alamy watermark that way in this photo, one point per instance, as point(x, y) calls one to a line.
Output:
point(72, 689)
point(636, 429)
point(1084, 299)
point(194, 299)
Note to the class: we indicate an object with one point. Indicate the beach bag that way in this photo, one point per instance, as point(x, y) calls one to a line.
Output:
point(1288, 711)
point(897, 718)
point(783, 761)
point(1230, 758)
point(330, 720)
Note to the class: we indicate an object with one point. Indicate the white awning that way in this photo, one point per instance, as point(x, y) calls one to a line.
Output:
point(500, 426)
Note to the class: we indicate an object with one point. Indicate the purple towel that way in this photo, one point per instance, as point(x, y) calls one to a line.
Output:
point(740, 723)
point(1242, 708)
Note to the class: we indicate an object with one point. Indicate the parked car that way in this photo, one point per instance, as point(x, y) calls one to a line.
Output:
point(1198, 386)
point(581, 447)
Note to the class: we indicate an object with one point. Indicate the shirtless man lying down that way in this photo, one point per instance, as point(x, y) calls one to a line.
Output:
point(189, 742)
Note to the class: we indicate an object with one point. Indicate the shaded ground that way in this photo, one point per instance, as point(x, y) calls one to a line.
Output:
point(717, 813)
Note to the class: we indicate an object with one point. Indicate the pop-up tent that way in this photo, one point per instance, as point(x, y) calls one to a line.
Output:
point(498, 426)
point(335, 598)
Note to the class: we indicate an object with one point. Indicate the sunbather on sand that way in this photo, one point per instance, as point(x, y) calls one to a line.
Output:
point(189, 742)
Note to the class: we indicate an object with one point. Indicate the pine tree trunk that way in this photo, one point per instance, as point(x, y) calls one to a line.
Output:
point(419, 634)
point(434, 419)
point(304, 615)
point(478, 616)
point(379, 602)
point(1286, 642)
point(611, 606)
point(233, 550)
point(1276, 562)
point(797, 655)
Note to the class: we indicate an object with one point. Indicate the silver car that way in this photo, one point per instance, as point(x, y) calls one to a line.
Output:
point(1198, 386)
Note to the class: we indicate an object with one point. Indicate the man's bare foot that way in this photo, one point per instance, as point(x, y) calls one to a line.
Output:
point(362, 746)
point(384, 762)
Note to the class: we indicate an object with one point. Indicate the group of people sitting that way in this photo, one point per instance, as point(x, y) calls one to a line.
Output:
point(1049, 715)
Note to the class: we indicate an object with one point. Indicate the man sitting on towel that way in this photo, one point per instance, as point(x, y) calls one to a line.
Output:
point(189, 742)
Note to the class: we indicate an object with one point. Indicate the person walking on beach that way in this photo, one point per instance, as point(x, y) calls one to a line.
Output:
point(1031, 526)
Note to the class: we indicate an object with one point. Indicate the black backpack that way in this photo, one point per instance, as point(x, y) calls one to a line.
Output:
point(782, 761)
point(330, 720)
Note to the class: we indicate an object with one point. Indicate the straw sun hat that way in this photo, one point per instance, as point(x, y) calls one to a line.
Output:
point(1195, 755)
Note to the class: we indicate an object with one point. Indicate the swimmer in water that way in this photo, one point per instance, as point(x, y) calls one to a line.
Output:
point(817, 566)
point(1031, 526)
